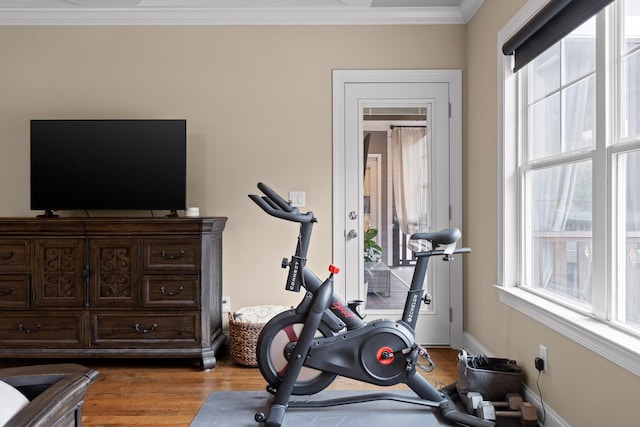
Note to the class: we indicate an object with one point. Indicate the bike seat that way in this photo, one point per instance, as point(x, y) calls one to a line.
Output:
point(437, 238)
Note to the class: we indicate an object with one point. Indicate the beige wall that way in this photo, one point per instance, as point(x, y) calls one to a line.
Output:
point(585, 389)
point(257, 102)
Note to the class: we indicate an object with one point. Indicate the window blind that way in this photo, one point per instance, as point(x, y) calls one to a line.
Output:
point(554, 21)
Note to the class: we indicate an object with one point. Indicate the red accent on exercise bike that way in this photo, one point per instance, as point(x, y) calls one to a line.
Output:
point(291, 333)
point(385, 355)
point(334, 269)
point(337, 306)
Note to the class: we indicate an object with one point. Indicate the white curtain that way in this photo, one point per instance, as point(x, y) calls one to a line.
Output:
point(410, 151)
point(558, 204)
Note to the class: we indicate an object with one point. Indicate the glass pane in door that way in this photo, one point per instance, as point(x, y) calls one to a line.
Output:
point(388, 264)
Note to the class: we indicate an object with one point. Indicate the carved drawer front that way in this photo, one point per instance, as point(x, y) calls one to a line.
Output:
point(117, 329)
point(24, 329)
point(172, 254)
point(14, 291)
point(58, 279)
point(171, 291)
point(115, 265)
point(15, 255)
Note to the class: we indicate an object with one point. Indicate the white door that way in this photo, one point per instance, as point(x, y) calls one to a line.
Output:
point(383, 285)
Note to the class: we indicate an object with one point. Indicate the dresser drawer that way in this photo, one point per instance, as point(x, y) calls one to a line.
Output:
point(15, 255)
point(14, 291)
point(171, 291)
point(118, 329)
point(35, 329)
point(172, 254)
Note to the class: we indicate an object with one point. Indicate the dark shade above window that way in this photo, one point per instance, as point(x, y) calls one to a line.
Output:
point(554, 21)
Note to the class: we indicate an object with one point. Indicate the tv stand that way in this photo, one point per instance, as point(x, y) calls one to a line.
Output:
point(172, 214)
point(111, 287)
point(48, 213)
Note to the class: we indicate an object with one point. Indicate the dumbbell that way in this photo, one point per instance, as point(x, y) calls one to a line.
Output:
point(526, 412)
point(474, 399)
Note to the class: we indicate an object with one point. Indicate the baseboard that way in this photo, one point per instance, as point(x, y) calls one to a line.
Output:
point(551, 418)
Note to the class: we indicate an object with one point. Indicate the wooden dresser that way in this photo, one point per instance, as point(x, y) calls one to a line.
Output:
point(111, 287)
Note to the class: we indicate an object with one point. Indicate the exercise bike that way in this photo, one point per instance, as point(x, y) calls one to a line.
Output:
point(302, 350)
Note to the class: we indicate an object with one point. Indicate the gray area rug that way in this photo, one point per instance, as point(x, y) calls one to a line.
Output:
point(237, 409)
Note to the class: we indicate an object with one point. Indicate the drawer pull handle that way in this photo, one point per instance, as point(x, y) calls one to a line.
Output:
point(171, 293)
point(165, 255)
point(8, 256)
point(143, 330)
point(28, 330)
point(7, 292)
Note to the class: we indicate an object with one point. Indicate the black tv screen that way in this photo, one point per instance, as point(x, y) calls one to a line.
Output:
point(108, 164)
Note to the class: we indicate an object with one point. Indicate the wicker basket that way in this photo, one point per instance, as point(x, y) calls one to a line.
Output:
point(245, 326)
point(243, 339)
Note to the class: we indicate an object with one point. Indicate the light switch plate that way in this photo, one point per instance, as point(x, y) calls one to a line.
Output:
point(297, 198)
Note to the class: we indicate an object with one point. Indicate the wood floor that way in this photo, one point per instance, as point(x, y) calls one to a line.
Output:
point(170, 392)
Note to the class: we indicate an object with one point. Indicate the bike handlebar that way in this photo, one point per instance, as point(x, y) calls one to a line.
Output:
point(276, 198)
point(275, 205)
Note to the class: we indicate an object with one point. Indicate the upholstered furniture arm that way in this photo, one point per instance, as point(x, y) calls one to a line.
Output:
point(56, 393)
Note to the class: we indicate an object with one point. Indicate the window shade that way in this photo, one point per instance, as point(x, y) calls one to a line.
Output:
point(554, 21)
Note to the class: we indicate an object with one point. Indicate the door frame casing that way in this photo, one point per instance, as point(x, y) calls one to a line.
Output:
point(342, 78)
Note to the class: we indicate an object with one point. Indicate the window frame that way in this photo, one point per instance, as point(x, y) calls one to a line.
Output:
point(596, 331)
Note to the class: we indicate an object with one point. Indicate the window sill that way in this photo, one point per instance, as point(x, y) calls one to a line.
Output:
point(606, 341)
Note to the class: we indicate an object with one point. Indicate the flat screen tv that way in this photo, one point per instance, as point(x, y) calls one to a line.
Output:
point(108, 164)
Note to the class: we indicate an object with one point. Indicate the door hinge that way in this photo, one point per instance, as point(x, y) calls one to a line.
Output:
point(450, 212)
point(449, 110)
point(450, 314)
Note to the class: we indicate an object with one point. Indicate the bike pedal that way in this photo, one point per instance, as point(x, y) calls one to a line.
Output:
point(425, 355)
point(426, 368)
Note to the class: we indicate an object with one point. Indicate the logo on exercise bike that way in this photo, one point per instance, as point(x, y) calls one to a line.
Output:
point(412, 307)
point(294, 281)
point(336, 306)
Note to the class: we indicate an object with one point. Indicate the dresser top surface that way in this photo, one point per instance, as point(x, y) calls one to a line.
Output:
point(109, 225)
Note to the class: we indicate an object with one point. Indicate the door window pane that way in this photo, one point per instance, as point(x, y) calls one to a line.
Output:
point(398, 158)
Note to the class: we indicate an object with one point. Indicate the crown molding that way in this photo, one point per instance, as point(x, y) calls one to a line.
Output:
point(348, 15)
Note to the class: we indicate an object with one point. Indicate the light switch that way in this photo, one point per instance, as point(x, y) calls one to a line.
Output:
point(297, 198)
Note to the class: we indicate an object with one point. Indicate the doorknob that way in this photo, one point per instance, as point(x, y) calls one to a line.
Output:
point(352, 234)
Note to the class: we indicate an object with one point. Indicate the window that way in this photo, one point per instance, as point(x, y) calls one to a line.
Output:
point(571, 184)
point(558, 144)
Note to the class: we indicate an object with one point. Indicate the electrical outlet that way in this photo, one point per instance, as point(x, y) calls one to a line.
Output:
point(543, 356)
point(226, 304)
